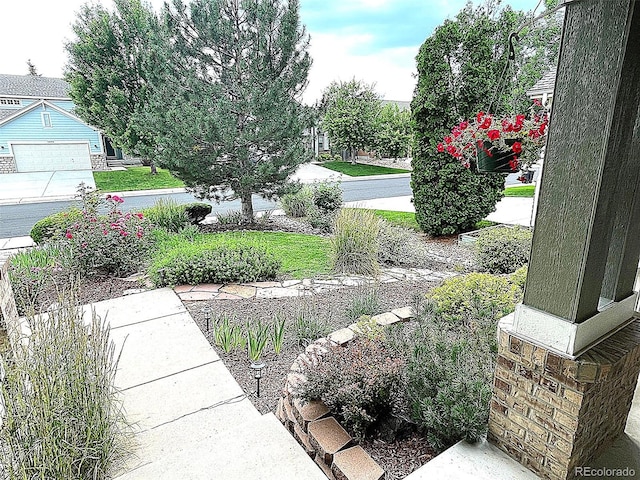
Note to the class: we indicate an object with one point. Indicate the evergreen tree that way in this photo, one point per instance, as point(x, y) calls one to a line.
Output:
point(350, 112)
point(461, 70)
point(225, 113)
point(33, 71)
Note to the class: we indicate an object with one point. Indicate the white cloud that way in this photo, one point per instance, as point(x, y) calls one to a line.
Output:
point(390, 69)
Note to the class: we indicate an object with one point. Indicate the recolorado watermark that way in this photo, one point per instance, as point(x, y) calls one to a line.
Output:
point(600, 472)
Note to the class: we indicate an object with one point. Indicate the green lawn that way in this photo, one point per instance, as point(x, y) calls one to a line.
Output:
point(520, 191)
point(360, 169)
point(302, 256)
point(402, 219)
point(135, 178)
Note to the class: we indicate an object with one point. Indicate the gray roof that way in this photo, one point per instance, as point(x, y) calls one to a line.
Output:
point(33, 86)
point(401, 104)
point(545, 85)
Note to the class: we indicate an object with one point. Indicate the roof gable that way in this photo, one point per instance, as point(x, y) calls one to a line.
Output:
point(41, 103)
point(33, 86)
point(545, 85)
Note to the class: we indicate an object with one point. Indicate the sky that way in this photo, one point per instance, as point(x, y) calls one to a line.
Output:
point(375, 41)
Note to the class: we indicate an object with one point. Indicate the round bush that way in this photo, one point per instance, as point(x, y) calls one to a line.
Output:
point(46, 228)
point(297, 204)
point(503, 249)
point(197, 211)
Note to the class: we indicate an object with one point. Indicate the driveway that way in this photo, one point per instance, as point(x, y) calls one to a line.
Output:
point(42, 186)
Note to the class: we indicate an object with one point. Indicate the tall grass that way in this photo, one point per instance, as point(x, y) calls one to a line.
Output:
point(354, 245)
point(62, 414)
point(168, 215)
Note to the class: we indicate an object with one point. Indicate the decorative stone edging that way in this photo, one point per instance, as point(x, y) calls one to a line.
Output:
point(312, 424)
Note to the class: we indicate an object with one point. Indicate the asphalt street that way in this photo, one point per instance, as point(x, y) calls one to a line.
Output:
point(17, 220)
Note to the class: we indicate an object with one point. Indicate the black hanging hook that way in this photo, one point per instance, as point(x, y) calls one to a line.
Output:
point(512, 50)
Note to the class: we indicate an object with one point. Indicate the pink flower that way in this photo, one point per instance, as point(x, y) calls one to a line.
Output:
point(448, 140)
point(68, 235)
point(117, 199)
point(124, 233)
point(108, 197)
point(463, 125)
point(141, 216)
point(139, 234)
point(105, 232)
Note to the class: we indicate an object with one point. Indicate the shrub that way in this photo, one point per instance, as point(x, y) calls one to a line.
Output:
point(519, 277)
point(297, 204)
point(31, 272)
point(309, 325)
point(365, 301)
point(399, 246)
point(354, 245)
point(356, 382)
point(54, 225)
point(167, 215)
point(197, 211)
point(327, 197)
point(114, 244)
point(231, 217)
point(222, 264)
point(322, 221)
point(324, 157)
point(476, 295)
point(503, 249)
point(62, 415)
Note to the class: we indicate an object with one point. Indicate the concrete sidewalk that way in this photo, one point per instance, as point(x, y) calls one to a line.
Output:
point(192, 418)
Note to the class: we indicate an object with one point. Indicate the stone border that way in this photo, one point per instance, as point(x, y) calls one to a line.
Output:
point(312, 424)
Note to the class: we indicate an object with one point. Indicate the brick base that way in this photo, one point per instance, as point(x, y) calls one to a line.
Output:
point(553, 414)
point(99, 162)
point(8, 165)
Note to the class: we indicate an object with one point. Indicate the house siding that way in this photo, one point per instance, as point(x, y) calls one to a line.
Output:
point(64, 104)
point(29, 128)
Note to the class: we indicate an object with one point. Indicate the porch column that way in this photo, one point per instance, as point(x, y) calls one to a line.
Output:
point(575, 340)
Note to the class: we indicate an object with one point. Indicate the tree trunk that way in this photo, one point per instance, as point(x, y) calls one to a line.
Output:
point(154, 170)
point(247, 207)
point(352, 153)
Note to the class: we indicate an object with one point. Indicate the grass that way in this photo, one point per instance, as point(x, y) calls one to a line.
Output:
point(361, 169)
point(402, 219)
point(520, 191)
point(302, 256)
point(135, 178)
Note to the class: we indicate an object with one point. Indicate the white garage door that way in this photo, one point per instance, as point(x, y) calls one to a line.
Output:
point(52, 156)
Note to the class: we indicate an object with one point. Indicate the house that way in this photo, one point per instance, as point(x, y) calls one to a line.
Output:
point(39, 131)
point(543, 89)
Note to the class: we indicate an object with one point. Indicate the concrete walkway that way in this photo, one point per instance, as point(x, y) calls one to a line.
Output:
point(193, 421)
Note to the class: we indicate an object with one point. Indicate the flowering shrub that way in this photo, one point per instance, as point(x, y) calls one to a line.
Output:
point(521, 135)
point(116, 243)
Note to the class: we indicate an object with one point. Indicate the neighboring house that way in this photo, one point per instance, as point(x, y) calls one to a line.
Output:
point(543, 89)
point(38, 130)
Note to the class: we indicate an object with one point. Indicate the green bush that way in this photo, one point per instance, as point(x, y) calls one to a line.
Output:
point(448, 197)
point(168, 215)
point(231, 217)
point(354, 245)
point(222, 264)
point(356, 382)
point(400, 246)
point(297, 204)
point(519, 277)
point(327, 197)
point(309, 325)
point(54, 225)
point(197, 211)
point(62, 416)
point(503, 249)
point(465, 298)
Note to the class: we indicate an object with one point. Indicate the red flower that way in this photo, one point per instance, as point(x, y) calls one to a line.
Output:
point(479, 117)
point(140, 215)
point(448, 140)
point(463, 125)
point(117, 199)
point(486, 123)
point(520, 119)
point(493, 134)
point(124, 233)
point(516, 147)
point(456, 132)
point(542, 128)
point(537, 102)
point(513, 163)
point(108, 197)
point(440, 149)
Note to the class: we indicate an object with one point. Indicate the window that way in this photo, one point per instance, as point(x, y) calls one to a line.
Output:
point(46, 119)
point(9, 101)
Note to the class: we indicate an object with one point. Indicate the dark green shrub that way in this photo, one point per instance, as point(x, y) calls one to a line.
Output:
point(168, 215)
point(356, 382)
point(354, 245)
point(297, 204)
point(327, 197)
point(223, 264)
point(197, 211)
point(472, 296)
point(503, 249)
point(53, 224)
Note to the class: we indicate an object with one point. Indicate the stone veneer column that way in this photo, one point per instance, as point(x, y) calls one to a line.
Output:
point(8, 165)
point(569, 357)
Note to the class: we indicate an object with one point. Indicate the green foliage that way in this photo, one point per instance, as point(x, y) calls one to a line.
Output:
point(354, 245)
point(222, 264)
point(464, 298)
point(400, 219)
point(135, 178)
point(400, 246)
point(197, 211)
point(257, 337)
point(520, 191)
point(327, 197)
point(224, 110)
point(54, 225)
point(309, 325)
point(503, 249)
point(62, 414)
point(228, 335)
point(356, 382)
point(365, 301)
point(349, 111)
point(368, 328)
point(277, 334)
point(297, 204)
point(519, 277)
point(167, 214)
point(233, 217)
point(393, 134)
point(459, 69)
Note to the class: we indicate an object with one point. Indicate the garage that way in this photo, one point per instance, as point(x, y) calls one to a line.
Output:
point(51, 157)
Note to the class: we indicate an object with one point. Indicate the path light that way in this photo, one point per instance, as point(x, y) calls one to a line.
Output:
point(206, 311)
point(257, 374)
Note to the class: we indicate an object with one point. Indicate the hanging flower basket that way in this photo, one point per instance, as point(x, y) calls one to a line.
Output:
point(493, 144)
point(496, 160)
